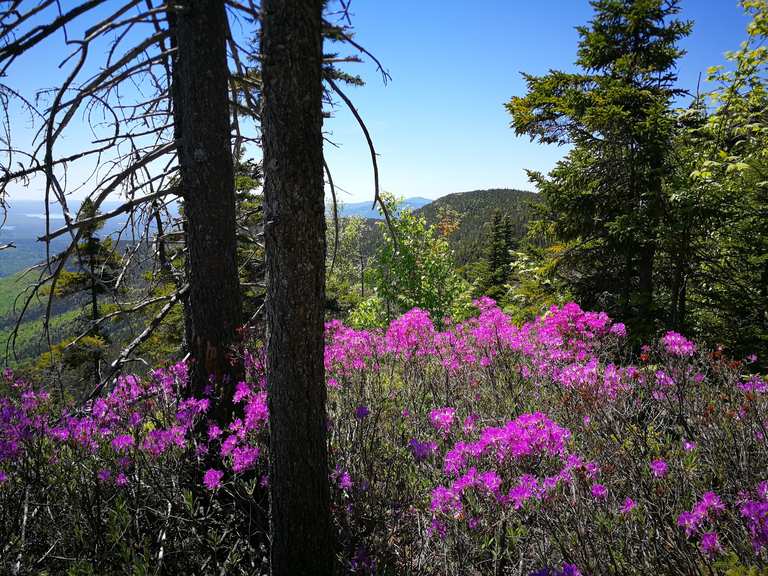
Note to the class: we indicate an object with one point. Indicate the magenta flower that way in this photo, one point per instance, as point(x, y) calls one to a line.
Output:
point(212, 478)
point(442, 419)
point(628, 506)
point(689, 445)
point(710, 544)
point(122, 443)
point(244, 458)
point(659, 468)
point(599, 492)
point(678, 345)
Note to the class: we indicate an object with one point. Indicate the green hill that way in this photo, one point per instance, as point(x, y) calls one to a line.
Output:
point(475, 211)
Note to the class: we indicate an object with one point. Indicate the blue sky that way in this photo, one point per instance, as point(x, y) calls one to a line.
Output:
point(440, 125)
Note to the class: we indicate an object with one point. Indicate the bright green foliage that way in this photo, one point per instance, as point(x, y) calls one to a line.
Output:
point(346, 265)
point(721, 208)
point(414, 269)
point(658, 216)
point(475, 211)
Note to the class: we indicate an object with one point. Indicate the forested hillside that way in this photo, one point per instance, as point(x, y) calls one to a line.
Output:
point(474, 213)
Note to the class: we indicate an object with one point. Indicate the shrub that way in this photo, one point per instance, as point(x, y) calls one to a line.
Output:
point(479, 448)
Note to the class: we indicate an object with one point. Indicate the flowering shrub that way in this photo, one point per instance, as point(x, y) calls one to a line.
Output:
point(484, 447)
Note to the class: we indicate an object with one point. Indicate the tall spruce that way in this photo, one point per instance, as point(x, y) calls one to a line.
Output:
point(294, 216)
point(605, 198)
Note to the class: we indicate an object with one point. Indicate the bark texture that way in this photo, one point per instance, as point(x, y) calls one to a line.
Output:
point(201, 115)
point(302, 539)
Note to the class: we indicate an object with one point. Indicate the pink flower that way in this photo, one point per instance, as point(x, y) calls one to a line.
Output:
point(678, 345)
point(442, 419)
point(710, 545)
point(599, 492)
point(628, 506)
point(212, 478)
point(659, 468)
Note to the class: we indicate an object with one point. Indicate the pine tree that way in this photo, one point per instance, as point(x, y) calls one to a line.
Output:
point(498, 257)
point(99, 267)
point(605, 198)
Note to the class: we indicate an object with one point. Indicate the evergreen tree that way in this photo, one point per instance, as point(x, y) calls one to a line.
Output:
point(605, 198)
point(498, 257)
point(99, 267)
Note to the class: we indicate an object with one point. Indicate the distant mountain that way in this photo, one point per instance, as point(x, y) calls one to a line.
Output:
point(24, 222)
point(364, 210)
point(475, 211)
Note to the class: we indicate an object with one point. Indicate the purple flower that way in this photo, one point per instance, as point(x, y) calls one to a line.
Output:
point(345, 480)
point(689, 521)
point(214, 431)
point(442, 419)
point(659, 468)
point(490, 481)
point(122, 443)
point(755, 514)
point(212, 478)
point(244, 458)
point(628, 506)
point(438, 528)
point(104, 475)
point(361, 412)
point(689, 445)
point(710, 545)
point(599, 492)
point(678, 345)
point(421, 450)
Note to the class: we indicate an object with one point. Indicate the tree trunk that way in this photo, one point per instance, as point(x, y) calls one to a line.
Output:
point(202, 122)
point(92, 246)
point(294, 215)
point(645, 285)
